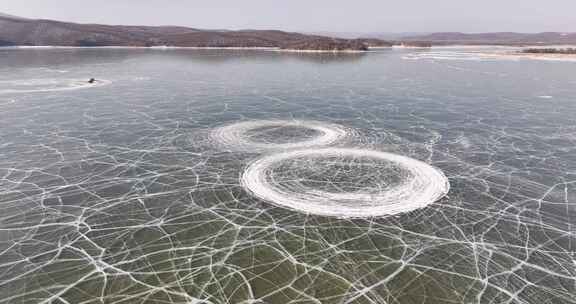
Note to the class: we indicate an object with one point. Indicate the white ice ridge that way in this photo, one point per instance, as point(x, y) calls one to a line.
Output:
point(418, 184)
point(47, 85)
point(236, 136)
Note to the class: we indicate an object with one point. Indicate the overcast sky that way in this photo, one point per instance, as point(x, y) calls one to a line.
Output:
point(314, 15)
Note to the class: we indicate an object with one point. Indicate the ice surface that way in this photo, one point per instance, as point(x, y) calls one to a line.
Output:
point(122, 194)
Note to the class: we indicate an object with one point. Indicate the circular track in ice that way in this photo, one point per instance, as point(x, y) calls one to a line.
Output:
point(345, 182)
point(267, 135)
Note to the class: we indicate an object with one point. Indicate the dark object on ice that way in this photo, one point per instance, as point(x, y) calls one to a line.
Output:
point(92, 80)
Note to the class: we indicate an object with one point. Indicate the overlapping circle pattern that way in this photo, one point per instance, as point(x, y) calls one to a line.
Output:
point(315, 177)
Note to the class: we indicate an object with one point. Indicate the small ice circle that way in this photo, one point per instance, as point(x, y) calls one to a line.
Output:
point(267, 135)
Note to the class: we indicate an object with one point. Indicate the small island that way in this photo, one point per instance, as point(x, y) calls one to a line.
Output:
point(375, 43)
point(415, 44)
point(559, 51)
point(535, 53)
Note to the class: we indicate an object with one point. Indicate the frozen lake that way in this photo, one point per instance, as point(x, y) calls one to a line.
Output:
point(206, 176)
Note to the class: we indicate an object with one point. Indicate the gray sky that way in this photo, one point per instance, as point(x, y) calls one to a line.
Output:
point(314, 15)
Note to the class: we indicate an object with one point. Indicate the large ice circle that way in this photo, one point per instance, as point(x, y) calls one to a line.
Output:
point(47, 85)
point(345, 182)
point(267, 135)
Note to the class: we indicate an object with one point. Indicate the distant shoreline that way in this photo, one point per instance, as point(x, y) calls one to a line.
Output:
point(133, 47)
point(161, 48)
point(499, 51)
point(278, 48)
